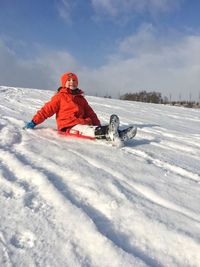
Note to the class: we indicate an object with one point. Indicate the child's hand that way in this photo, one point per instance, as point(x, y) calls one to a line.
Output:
point(30, 125)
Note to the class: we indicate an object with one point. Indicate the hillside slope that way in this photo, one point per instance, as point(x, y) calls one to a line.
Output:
point(68, 202)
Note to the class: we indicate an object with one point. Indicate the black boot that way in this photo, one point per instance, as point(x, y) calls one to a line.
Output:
point(101, 132)
point(128, 133)
point(108, 132)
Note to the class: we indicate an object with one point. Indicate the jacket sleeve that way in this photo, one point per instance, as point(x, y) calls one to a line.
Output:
point(48, 110)
point(89, 113)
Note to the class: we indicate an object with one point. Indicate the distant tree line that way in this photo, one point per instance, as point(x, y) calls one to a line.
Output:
point(143, 96)
point(156, 97)
point(187, 104)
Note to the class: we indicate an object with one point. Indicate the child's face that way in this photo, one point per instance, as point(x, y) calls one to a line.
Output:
point(71, 83)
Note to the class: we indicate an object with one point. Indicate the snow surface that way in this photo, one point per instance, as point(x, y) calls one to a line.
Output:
point(72, 202)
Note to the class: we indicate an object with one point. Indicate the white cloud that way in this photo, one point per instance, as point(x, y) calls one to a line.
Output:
point(117, 7)
point(145, 62)
point(64, 10)
point(142, 41)
point(42, 71)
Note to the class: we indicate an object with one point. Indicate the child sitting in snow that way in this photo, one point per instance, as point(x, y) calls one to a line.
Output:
point(73, 113)
point(74, 116)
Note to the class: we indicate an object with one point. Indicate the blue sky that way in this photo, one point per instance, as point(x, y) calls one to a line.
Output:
point(114, 46)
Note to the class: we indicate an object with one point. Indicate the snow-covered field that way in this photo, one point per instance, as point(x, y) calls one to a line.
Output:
point(71, 202)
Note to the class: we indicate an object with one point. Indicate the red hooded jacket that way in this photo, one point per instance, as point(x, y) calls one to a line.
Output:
point(69, 109)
